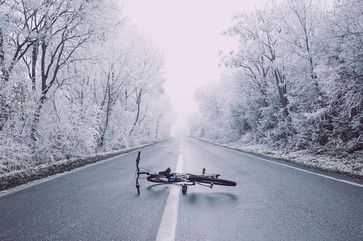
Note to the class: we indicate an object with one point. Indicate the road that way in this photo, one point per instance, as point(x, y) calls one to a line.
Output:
point(270, 201)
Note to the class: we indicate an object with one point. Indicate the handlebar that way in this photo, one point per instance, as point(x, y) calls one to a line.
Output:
point(138, 161)
point(138, 173)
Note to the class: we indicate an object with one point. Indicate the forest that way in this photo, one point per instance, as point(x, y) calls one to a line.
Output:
point(75, 80)
point(294, 82)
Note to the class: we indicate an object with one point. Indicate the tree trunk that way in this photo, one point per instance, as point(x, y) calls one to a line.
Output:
point(36, 118)
point(4, 72)
point(33, 66)
point(138, 104)
point(101, 141)
point(157, 127)
point(281, 87)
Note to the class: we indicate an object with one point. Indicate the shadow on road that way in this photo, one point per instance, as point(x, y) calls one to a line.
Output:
point(213, 198)
point(156, 188)
point(194, 198)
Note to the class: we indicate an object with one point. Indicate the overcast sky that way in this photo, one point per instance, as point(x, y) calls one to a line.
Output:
point(189, 32)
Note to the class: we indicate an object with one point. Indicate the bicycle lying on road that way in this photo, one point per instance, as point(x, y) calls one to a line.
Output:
point(182, 179)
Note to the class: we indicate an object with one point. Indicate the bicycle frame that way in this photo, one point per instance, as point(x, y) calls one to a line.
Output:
point(182, 179)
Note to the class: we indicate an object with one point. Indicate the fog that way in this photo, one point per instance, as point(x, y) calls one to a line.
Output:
point(190, 35)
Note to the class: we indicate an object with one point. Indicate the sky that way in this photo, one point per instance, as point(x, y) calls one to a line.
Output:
point(189, 33)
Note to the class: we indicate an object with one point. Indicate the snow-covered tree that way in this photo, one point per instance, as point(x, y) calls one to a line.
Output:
point(74, 82)
point(295, 80)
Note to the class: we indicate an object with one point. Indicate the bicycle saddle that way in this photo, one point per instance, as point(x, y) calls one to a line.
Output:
point(166, 172)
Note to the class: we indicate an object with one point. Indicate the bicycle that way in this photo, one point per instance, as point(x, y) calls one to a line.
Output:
point(182, 179)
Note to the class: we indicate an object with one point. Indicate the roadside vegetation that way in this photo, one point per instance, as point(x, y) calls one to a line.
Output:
point(294, 84)
point(75, 80)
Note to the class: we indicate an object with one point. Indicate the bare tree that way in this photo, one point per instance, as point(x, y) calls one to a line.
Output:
point(62, 32)
point(301, 27)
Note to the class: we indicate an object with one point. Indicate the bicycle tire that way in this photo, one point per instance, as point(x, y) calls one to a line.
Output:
point(210, 180)
point(157, 178)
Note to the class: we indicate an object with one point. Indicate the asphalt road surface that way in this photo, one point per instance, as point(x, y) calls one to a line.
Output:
point(270, 201)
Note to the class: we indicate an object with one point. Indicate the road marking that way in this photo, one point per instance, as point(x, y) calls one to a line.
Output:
point(167, 228)
point(296, 168)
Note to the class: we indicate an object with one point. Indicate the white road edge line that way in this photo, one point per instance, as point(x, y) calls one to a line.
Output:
point(46, 179)
point(167, 228)
point(296, 168)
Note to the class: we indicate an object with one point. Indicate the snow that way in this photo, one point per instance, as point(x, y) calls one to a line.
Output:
point(351, 164)
point(294, 90)
point(102, 90)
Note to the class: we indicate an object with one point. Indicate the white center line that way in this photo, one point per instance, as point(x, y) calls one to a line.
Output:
point(167, 229)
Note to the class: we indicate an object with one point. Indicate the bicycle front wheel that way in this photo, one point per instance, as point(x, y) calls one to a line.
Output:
point(157, 178)
point(211, 180)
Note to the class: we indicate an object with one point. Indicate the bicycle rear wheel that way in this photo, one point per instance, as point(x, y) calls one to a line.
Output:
point(157, 178)
point(211, 180)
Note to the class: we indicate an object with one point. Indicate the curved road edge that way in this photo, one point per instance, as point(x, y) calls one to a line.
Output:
point(13, 180)
point(319, 170)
